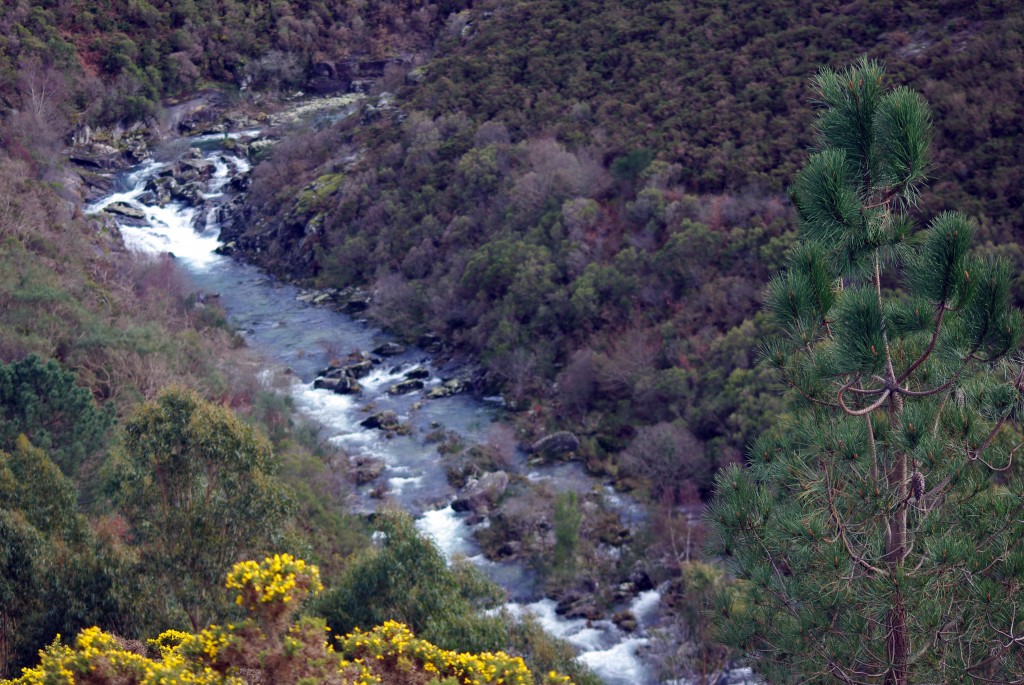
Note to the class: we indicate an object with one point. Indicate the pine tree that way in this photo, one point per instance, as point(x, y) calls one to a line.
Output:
point(877, 533)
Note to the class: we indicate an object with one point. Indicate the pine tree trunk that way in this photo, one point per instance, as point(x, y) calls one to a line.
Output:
point(897, 640)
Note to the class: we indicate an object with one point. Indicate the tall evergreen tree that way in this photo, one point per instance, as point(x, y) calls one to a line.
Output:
point(878, 531)
point(40, 400)
point(199, 491)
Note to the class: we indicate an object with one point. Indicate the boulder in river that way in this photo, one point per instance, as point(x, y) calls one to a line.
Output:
point(358, 368)
point(430, 342)
point(188, 170)
point(125, 210)
point(190, 193)
point(418, 372)
point(342, 384)
point(241, 181)
point(626, 621)
point(576, 604)
point(480, 494)
point(405, 387)
point(452, 386)
point(385, 420)
point(388, 349)
point(363, 469)
point(356, 303)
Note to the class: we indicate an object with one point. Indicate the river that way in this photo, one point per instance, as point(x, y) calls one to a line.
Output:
point(290, 333)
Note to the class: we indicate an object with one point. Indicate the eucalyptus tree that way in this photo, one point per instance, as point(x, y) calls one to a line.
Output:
point(199, 491)
point(877, 532)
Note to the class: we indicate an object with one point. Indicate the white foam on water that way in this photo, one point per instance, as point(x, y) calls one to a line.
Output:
point(219, 179)
point(398, 485)
point(645, 606)
point(208, 137)
point(588, 639)
point(600, 644)
point(328, 408)
point(544, 611)
point(447, 529)
point(241, 163)
point(379, 378)
point(618, 664)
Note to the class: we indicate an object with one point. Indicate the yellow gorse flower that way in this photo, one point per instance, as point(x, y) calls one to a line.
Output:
point(102, 656)
point(212, 657)
point(364, 653)
point(280, 578)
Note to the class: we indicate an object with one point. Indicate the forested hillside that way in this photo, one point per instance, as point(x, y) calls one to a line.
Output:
point(141, 453)
point(589, 196)
point(583, 198)
point(116, 60)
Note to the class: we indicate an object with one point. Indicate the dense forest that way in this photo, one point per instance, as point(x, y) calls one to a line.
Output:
point(585, 199)
point(589, 197)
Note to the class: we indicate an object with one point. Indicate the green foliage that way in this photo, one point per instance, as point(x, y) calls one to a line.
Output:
point(568, 518)
point(41, 401)
point(405, 578)
point(875, 531)
point(198, 488)
point(629, 166)
point(55, 575)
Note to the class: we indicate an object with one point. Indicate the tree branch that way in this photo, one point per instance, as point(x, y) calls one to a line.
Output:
point(928, 350)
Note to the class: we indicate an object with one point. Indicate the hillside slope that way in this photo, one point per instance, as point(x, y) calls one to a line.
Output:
point(589, 195)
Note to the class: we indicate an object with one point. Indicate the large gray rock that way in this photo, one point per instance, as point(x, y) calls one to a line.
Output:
point(480, 494)
point(164, 187)
point(342, 385)
point(188, 170)
point(450, 387)
point(388, 349)
point(356, 368)
point(385, 420)
point(190, 193)
point(577, 604)
point(126, 210)
point(405, 387)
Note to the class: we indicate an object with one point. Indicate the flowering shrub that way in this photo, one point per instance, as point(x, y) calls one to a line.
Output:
point(296, 654)
point(371, 657)
point(280, 578)
point(101, 658)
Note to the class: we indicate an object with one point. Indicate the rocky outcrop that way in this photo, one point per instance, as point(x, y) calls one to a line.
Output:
point(363, 469)
point(480, 494)
point(452, 386)
point(353, 74)
point(342, 385)
point(107, 159)
point(555, 445)
point(579, 603)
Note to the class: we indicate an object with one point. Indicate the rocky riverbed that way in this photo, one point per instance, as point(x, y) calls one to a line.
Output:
point(409, 418)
